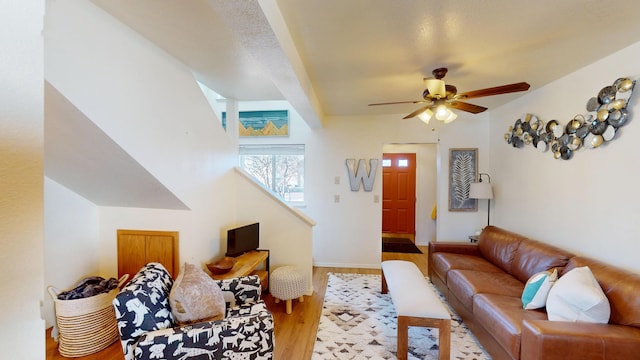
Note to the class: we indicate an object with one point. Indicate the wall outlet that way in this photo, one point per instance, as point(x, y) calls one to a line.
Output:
point(336, 198)
point(376, 198)
point(336, 180)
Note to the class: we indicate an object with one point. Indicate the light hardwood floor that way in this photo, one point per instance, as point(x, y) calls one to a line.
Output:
point(295, 333)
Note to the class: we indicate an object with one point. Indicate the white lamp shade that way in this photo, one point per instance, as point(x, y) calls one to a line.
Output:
point(481, 190)
point(436, 88)
point(425, 116)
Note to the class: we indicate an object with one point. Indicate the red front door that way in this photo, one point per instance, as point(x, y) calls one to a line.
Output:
point(399, 193)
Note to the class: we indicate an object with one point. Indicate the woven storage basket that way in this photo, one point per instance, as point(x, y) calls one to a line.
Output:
point(88, 325)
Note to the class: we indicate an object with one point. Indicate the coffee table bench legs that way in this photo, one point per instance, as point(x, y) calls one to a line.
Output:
point(444, 334)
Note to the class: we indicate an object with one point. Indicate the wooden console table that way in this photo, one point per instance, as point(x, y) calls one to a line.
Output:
point(247, 264)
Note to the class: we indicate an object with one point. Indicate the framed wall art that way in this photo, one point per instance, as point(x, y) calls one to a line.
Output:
point(261, 123)
point(463, 170)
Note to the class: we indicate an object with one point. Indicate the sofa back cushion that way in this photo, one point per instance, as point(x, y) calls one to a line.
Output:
point(499, 246)
point(533, 257)
point(620, 286)
point(143, 305)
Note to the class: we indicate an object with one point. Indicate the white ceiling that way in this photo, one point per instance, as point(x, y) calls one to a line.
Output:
point(333, 57)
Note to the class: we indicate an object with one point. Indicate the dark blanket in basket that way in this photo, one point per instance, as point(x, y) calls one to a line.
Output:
point(89, 286)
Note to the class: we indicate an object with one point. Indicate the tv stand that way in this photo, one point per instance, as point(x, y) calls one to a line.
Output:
point(247, 264)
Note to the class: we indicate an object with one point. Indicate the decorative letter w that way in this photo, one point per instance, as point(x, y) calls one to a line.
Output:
point(360, 175)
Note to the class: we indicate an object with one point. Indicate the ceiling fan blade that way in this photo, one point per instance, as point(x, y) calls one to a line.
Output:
point(398, 102)
point(474, 109)
point(504, 89)
point(417, 112)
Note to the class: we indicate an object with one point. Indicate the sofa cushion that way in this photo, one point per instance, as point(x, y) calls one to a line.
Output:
point(620, 286)
point(196, 297)
point(534, 256)
point(576, 296)
point(499, 246)
point(536, 290)
point(464, 284)
point(502, 317)
point(443, 262)
point(143, 304)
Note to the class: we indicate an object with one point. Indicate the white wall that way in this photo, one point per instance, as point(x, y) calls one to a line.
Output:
point(348, 232)
point(151, 105)
point(589, 204)
point(287, 234)
point(21, 180)
point(71, 243)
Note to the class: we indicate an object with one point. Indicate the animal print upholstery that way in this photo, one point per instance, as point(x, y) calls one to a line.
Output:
point(147, 329)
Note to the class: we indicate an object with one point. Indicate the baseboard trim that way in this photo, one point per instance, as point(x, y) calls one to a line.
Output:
point(361, 266)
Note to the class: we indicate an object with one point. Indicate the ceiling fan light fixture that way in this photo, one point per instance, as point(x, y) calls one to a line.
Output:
point(436, 87)
point(452, 116)
point(442, 112)
point(426, 116)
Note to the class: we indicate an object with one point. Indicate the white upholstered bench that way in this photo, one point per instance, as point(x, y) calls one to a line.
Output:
point(416, 305)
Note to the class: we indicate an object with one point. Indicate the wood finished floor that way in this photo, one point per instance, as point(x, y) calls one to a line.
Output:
point(295, 333)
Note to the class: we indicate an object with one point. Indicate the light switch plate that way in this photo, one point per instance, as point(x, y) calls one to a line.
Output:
point(336, 198)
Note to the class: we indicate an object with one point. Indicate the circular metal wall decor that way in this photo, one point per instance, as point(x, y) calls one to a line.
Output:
point(606, 114)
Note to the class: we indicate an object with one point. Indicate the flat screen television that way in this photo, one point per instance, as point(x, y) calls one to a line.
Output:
point(243, 239)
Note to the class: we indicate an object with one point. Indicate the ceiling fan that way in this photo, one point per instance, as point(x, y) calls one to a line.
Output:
point(438, 97)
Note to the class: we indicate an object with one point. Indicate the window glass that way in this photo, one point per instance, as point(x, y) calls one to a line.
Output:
point(403, 163)
point(278, 167)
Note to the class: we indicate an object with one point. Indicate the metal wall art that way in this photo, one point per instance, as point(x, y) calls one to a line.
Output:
point(359, 175)
point(606, 113)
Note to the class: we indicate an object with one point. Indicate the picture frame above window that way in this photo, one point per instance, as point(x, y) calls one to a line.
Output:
point(463, 170)
point(261, 123)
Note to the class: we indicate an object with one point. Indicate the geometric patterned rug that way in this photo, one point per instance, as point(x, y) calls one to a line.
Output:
point(358, 322)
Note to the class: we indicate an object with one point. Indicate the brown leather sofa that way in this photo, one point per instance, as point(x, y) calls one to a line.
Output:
point(483, 282)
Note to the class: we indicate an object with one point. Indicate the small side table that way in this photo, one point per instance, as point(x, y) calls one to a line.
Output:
point(474, 238)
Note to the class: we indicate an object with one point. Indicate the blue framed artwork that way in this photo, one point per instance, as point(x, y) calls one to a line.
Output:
point(261, 123)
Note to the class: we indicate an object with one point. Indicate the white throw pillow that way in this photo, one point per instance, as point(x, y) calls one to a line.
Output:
point(537, 289)
point(578, 297)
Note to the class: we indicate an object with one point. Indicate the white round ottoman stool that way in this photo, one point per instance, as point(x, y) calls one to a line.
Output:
point(287, 283)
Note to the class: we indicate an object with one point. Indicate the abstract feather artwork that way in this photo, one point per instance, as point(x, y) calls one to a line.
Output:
point(463, 170)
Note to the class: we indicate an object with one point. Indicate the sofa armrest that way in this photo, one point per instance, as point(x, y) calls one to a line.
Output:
point(241, 290)
point(559, 340)
point(454, 247)
point(250, 335)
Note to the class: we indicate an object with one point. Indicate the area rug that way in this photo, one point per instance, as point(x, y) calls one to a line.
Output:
point(401, 245)
point(358, 322)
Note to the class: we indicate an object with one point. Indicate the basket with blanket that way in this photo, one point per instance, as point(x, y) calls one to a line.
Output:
point(85, 318)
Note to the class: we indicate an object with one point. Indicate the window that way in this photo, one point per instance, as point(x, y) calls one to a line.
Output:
point(278, 167)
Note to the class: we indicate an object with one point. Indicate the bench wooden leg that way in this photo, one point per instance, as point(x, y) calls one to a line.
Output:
point(403, 337)
point(444, 335)
point(385, 288)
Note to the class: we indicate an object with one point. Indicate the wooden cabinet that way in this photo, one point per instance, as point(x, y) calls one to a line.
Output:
point(248, 264)
point(136, 248)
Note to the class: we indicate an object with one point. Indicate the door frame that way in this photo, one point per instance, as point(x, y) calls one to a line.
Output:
point(427, 185)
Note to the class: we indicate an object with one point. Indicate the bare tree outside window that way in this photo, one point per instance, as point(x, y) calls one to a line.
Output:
point(278, 168)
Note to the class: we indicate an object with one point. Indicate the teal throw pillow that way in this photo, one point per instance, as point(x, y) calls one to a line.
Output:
point(537, 289)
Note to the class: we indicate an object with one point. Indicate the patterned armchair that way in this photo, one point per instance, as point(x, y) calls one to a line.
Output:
point(147, 329)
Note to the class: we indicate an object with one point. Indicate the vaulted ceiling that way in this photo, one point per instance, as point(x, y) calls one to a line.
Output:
point(333, 57)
